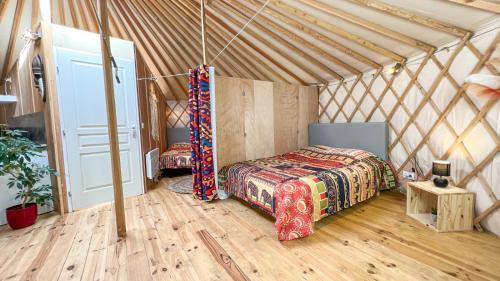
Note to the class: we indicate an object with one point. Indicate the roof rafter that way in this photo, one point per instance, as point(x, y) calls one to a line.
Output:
point(239, 45)
point(62, 16)
point(146, 54)
point(176, 65)
point(338, 31)
point(413, 17)
point(485, 5)
point(192, 31)
point(12, 38)
point(153, 46)
point(280, 16)
point(193, 27)
point(177, 37)
point(93, 20)
point(74, 17)
point(278, 50)
point(224, 36)
point(370, 25)
point(219, 19)
point(3, 9)
point(83, 17)
point(269, 26)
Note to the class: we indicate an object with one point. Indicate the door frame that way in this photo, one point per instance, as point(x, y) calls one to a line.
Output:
point(61, 122)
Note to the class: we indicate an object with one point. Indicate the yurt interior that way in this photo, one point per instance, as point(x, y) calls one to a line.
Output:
point(249, 140)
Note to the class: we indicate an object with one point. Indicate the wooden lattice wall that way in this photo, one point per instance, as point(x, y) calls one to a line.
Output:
point(176, 114)
point(432, 116)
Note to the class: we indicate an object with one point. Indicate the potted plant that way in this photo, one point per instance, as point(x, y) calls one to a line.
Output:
point(434, 213)
point(24, 175)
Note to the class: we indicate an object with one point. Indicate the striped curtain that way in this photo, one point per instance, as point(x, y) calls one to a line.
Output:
point(201, 134)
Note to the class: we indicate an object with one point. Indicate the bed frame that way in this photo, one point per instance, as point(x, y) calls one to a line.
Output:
point(175, 135)
point(372, 137)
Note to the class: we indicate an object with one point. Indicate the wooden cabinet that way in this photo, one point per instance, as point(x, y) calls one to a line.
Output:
point(455, 206)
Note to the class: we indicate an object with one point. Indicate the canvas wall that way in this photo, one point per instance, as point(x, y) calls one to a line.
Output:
point(431, 117)
point(177, 114)
point(258, 119)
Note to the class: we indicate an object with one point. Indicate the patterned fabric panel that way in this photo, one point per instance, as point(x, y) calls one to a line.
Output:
point(200, 130)
point(177, 156)
point(303, 186)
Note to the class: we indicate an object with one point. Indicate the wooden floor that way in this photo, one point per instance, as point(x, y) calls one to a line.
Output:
point(373, 241)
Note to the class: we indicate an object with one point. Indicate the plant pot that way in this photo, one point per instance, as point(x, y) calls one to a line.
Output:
point(19, 217)
point(434, 219)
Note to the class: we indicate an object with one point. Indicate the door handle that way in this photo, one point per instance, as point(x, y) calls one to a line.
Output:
point(134, 132)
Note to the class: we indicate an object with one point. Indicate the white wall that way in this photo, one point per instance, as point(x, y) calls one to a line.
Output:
point(478, 142)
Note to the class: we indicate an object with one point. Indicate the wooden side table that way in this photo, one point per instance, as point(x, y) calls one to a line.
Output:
point(455, 206)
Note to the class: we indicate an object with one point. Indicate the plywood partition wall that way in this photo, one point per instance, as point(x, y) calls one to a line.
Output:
point(146, 89)
point(432, 116)
point(258, 119)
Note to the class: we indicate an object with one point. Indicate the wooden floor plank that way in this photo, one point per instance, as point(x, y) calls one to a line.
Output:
point(371, 241)
point(50, 259)
point(187, 245)
point(222, 257)
point(75, 261)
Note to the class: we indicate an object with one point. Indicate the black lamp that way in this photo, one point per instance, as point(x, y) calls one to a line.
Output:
point(441, 169)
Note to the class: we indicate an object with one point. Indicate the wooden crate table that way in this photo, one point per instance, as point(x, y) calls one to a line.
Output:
point(455, 206)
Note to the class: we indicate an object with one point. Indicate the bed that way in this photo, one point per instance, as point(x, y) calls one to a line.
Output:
point(178, 154)
point(304, 186)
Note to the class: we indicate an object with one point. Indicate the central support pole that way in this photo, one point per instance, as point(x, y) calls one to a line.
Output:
point(112, 126)
point(203, 38)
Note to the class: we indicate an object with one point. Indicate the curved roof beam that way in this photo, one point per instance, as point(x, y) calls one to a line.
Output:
point(486, 5)
point(268, 24)
point(12, 38)
point(413, 17)
point(217, 16)
point(288, 20)
point(3, 9)
point(338, 31)
point(262, 71)
point(218, 21)
point(382, 30)
point(279, 39)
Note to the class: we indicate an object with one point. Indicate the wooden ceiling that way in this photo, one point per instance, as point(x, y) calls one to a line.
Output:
point(298, 41)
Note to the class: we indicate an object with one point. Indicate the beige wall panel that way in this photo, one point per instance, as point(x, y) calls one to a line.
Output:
point(308, 112)
point(16, 91)
point(250, 127)
point(25, 87)
point(230, 121)
point(285, 117)
point(259, 121)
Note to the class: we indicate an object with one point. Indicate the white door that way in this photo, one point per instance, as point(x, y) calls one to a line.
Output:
point(84, 121)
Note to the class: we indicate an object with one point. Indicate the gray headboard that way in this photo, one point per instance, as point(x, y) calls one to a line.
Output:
point(373, 137)
point(175, 135)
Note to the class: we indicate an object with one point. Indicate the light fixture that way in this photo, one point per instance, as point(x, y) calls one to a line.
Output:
point(28, 35)
point(441, 169)
point(396, 69)
point(7, 86)
point(484, 85)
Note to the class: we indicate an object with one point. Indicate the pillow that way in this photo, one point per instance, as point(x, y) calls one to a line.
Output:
point(180, 145)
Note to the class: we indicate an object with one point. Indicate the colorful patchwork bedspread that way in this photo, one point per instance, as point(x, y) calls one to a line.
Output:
point(301, 187)
point(178, 155)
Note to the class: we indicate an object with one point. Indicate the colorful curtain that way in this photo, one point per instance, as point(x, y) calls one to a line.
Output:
point(201, 134)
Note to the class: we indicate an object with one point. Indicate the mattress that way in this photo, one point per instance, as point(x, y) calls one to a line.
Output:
point(301, 187)
point(177, 156)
